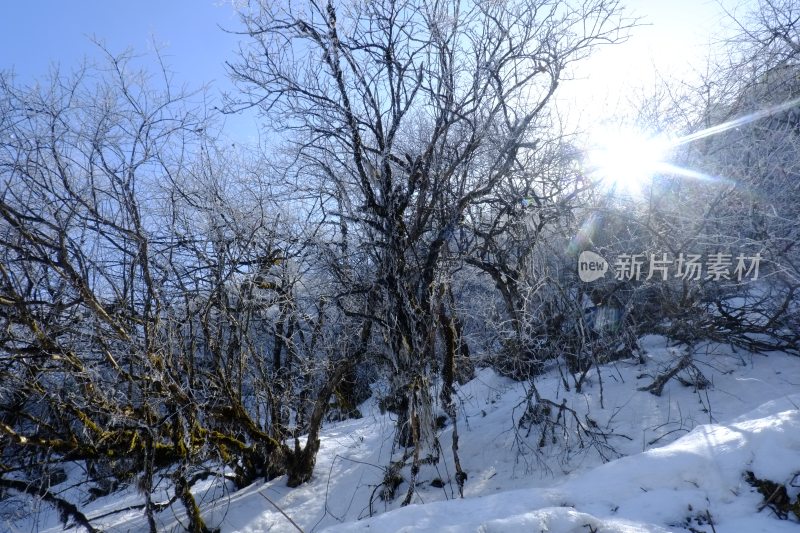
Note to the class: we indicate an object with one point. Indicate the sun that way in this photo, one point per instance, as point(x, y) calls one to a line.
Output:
point(625, 158)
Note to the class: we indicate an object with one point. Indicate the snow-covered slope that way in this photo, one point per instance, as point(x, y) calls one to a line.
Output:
point(683, 484)
point(670, 462)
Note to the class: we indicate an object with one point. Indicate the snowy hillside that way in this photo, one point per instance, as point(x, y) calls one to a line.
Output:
point(677, 462)
point(452, 274)
point(666, 489)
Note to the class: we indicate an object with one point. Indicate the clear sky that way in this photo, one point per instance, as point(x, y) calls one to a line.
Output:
point(37, 33)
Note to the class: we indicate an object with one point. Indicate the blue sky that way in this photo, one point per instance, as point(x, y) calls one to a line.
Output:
point(37, 34)
point(34, 34)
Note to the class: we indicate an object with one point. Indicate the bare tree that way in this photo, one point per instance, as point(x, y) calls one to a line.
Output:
point(403, 116)
point(159, 307)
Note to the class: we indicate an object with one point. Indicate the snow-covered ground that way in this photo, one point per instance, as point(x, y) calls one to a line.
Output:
point(670, 463)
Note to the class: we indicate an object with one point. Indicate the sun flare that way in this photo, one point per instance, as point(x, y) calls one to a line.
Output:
point(626, 159)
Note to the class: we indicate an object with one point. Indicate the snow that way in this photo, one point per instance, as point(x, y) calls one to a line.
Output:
point(648, 491)
point(675, 460)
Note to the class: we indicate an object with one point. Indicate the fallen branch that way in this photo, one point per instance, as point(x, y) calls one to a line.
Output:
point(289, 518)
point(657, 386)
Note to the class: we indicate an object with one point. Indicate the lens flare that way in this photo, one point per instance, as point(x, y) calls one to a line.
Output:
point(626, 158)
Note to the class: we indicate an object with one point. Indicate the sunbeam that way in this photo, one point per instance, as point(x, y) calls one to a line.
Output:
point(735, 123)
point(626, 158)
